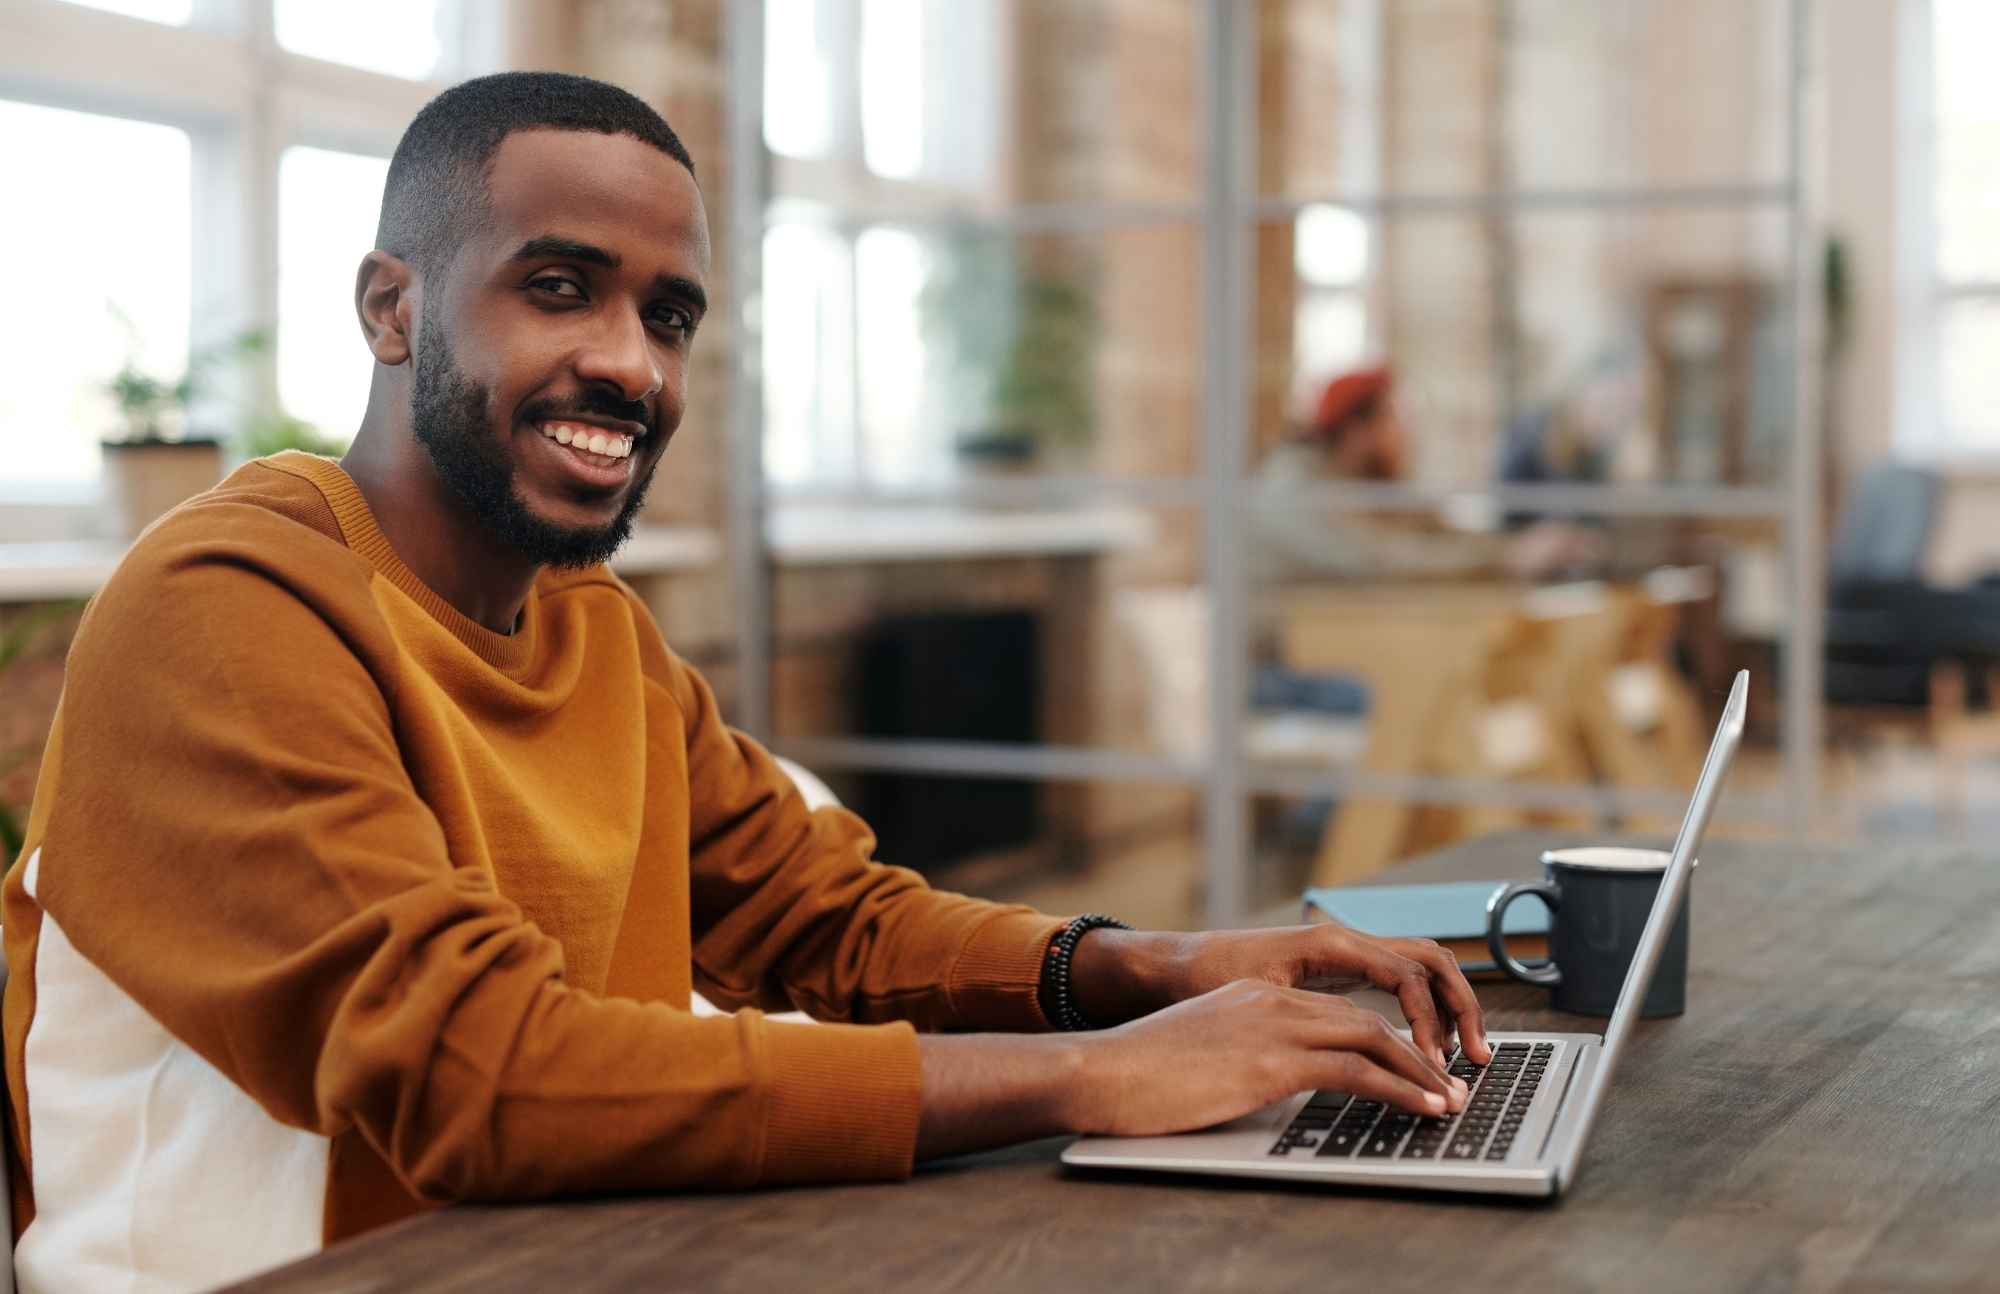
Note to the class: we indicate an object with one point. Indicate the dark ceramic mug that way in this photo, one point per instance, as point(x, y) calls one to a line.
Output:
point(1599, 899)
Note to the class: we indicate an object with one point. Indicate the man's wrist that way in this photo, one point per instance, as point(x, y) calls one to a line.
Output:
point(1119, 975)
point(991, 1089)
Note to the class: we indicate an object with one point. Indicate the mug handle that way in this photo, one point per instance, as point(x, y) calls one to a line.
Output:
point(1496, 910)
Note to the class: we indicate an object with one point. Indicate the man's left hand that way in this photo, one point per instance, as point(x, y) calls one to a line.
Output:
point(1121, 974)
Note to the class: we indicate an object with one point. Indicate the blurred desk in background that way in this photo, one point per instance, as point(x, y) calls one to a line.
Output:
point(1562, 685)
point(801, 535)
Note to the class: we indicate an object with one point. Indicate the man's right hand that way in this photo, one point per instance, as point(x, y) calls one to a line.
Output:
point(1195, 1064)
point(1238, 1048)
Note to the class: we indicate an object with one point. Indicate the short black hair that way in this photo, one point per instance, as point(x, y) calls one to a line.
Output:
point(436, 190)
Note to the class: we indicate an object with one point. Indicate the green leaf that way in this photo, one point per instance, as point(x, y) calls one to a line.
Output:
point(22, 634)
point(279, 431)
point(12, 836)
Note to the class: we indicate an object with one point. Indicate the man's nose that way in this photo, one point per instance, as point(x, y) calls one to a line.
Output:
point(621, 355)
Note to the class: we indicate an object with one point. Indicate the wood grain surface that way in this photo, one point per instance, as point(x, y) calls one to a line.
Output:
point(1826, 1116)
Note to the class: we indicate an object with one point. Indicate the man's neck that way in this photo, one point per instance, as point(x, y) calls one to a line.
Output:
point(443, 545)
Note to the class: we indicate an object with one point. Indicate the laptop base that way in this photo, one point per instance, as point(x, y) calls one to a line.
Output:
point(1271, 1143)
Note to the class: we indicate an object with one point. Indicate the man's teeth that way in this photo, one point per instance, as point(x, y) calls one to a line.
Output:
point(610, 444)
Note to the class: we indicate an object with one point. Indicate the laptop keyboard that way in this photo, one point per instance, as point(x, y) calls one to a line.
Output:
point(1338, 1126)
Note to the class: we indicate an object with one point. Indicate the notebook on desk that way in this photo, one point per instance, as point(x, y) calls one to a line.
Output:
point(1454, 914)
point(1531, 1107)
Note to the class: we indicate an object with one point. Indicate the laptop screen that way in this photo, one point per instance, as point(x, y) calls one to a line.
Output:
point(1707, 789)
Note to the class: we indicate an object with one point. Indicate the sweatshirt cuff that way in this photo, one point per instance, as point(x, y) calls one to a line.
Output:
point(845, 1100)
point(996, 982)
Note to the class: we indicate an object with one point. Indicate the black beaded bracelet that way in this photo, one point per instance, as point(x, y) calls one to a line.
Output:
point(1058, 1001)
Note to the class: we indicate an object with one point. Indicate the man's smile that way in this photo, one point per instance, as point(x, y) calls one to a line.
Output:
point(589, 455)
point(599, 441)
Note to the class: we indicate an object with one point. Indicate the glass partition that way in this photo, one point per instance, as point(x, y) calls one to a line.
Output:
point(913, 356)
point(1557, 259)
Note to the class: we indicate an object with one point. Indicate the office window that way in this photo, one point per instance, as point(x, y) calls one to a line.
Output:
point(173, 12)
point(92, 286)
point(906, 91)
point(328, 205)
point(867, 101)
point(808, 338)
point(892, 87)
point(901, 417)
point(1966, 197)
point(192, 236)
point(799, 91)
point(394, 37)
point(1330, 317)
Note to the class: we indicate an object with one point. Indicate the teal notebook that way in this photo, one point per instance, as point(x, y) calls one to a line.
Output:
point(1453, 914)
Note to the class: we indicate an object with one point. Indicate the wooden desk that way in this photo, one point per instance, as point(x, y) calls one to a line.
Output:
point(1433, 656)
point(1826, 1116)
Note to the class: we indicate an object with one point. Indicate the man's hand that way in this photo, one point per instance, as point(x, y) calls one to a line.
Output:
point(1214, 1026)
point(1121, 974)
point(1201, 1062)
point(1242, 1046)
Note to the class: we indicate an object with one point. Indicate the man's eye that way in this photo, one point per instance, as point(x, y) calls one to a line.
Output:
point(556, 286)
point(679, 321)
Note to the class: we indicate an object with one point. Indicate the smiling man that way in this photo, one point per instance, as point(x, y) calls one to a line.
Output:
point(381, 839)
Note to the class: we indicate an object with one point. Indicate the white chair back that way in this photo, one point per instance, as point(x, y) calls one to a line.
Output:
point(817, 796)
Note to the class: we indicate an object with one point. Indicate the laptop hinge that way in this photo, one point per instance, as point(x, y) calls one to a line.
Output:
point(1555, 1116)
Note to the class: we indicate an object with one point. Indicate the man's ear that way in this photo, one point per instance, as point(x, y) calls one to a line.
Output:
point(385, 298)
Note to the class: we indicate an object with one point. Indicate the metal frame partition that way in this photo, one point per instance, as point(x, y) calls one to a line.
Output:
point(1228, 209)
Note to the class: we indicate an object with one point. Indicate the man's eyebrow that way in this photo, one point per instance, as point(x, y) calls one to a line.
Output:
point(552, 246)
point(689, 291)
point(549, 245)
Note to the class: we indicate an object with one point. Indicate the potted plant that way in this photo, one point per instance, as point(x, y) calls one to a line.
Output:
point(152, 462)
point(277, 431)
point(1021, 347)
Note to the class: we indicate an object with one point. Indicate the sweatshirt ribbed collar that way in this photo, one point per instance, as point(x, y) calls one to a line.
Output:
point(509, 652)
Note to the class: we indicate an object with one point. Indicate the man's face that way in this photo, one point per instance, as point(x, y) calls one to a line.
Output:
point(1384, 438)
point(551, 358)
point(1371, 448)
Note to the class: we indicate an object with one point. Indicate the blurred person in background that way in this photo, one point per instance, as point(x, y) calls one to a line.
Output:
point(1357, 434)
point(1578, 437)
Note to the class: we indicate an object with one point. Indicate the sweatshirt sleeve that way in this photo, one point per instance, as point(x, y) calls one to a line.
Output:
point(791, 910)
point(234, 841)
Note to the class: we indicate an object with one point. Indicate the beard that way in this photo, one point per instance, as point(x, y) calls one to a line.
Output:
point(448, 414)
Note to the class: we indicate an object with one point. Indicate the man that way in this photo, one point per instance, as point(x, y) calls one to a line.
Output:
point(1357, 434)
point(381, 839)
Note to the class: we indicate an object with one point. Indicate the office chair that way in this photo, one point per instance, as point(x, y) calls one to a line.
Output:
point(1902, 653)
point(1887, 630)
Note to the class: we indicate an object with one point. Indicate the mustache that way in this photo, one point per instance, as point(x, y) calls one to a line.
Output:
point(593, 404)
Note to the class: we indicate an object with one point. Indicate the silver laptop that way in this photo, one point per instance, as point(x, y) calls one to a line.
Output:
point(1555, 1083)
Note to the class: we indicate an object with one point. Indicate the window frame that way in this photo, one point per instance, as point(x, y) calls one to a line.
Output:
point(1925, 293)
point(243, 99)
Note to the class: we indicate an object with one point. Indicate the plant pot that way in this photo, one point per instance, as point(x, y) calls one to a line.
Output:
point(145, 479)
point(1000, 452)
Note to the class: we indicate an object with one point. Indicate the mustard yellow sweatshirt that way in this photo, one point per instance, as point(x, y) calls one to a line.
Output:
point(335, 902)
